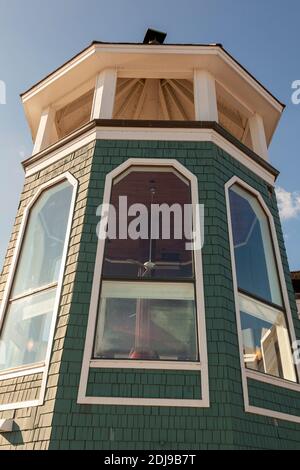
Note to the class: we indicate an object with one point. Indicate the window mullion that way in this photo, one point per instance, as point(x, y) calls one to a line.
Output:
point(261, 300)
point(34, 291)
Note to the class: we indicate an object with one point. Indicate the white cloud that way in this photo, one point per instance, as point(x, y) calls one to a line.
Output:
point(288, 203)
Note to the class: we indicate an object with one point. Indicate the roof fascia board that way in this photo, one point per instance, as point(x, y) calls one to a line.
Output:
point(64, 69)
point(157, 49)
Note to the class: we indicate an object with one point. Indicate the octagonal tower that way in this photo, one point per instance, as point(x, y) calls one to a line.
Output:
point(138, 342)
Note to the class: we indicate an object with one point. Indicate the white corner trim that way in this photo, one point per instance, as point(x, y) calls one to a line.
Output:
point(245, 373)
point(205, 96)
point(93, 311)
point(104, 94)
point(43, 136)
point(31, 370)
point(159, 134)
point(258, 136)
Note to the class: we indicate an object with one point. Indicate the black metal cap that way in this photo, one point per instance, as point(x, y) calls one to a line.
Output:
point(154, 37)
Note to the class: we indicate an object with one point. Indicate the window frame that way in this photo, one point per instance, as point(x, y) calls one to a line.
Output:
point(137, 284)
point(90, 363)
point(41, 367)
point(247, 373)
point(246, 292)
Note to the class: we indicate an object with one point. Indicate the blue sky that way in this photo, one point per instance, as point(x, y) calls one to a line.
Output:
point(37, 36)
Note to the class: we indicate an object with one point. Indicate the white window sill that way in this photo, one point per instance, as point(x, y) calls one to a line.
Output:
point(276, 381)
point(138, 364)
point(29, 369)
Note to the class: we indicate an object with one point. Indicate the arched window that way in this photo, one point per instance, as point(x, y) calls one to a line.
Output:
point(147, 307)
point(29, 308)
point(265, 336)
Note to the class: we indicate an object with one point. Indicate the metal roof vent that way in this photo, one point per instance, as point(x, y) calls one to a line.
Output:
point(154, 37)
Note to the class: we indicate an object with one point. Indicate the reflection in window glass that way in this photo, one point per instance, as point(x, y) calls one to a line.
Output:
point(25, 334)
point(127, 258)
point(266, 341)
point(39, 264)
point(26, 326)
point(143, 314)
point(254, 254)
point(147, 321)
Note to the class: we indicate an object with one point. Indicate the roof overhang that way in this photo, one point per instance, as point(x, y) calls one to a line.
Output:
point(183, 131)
point(152, 61)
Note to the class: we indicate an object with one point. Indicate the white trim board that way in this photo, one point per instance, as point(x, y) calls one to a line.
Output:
point(140, 50)
point(120, 401)
point(244, 372)
point(138, 133)
point(276, 381)
point(137, 364)
point(144, 61)
point(93, 311)
point(30, 370)
point(21, 404)
point(9, 283)
point(137, 401)
point(271, 413)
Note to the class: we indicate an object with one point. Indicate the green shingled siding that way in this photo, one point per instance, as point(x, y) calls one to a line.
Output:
point(224, 424)
point(134, 383)
point(265, 395)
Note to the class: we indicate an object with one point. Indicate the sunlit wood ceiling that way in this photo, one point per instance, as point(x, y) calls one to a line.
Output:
point(154, 99)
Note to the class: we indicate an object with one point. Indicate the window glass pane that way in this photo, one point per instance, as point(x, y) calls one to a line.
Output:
point(40, 259)
point(25, 333)
point(147, 321)
point(159, 257)
point(266, 342)
point(254, 254)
